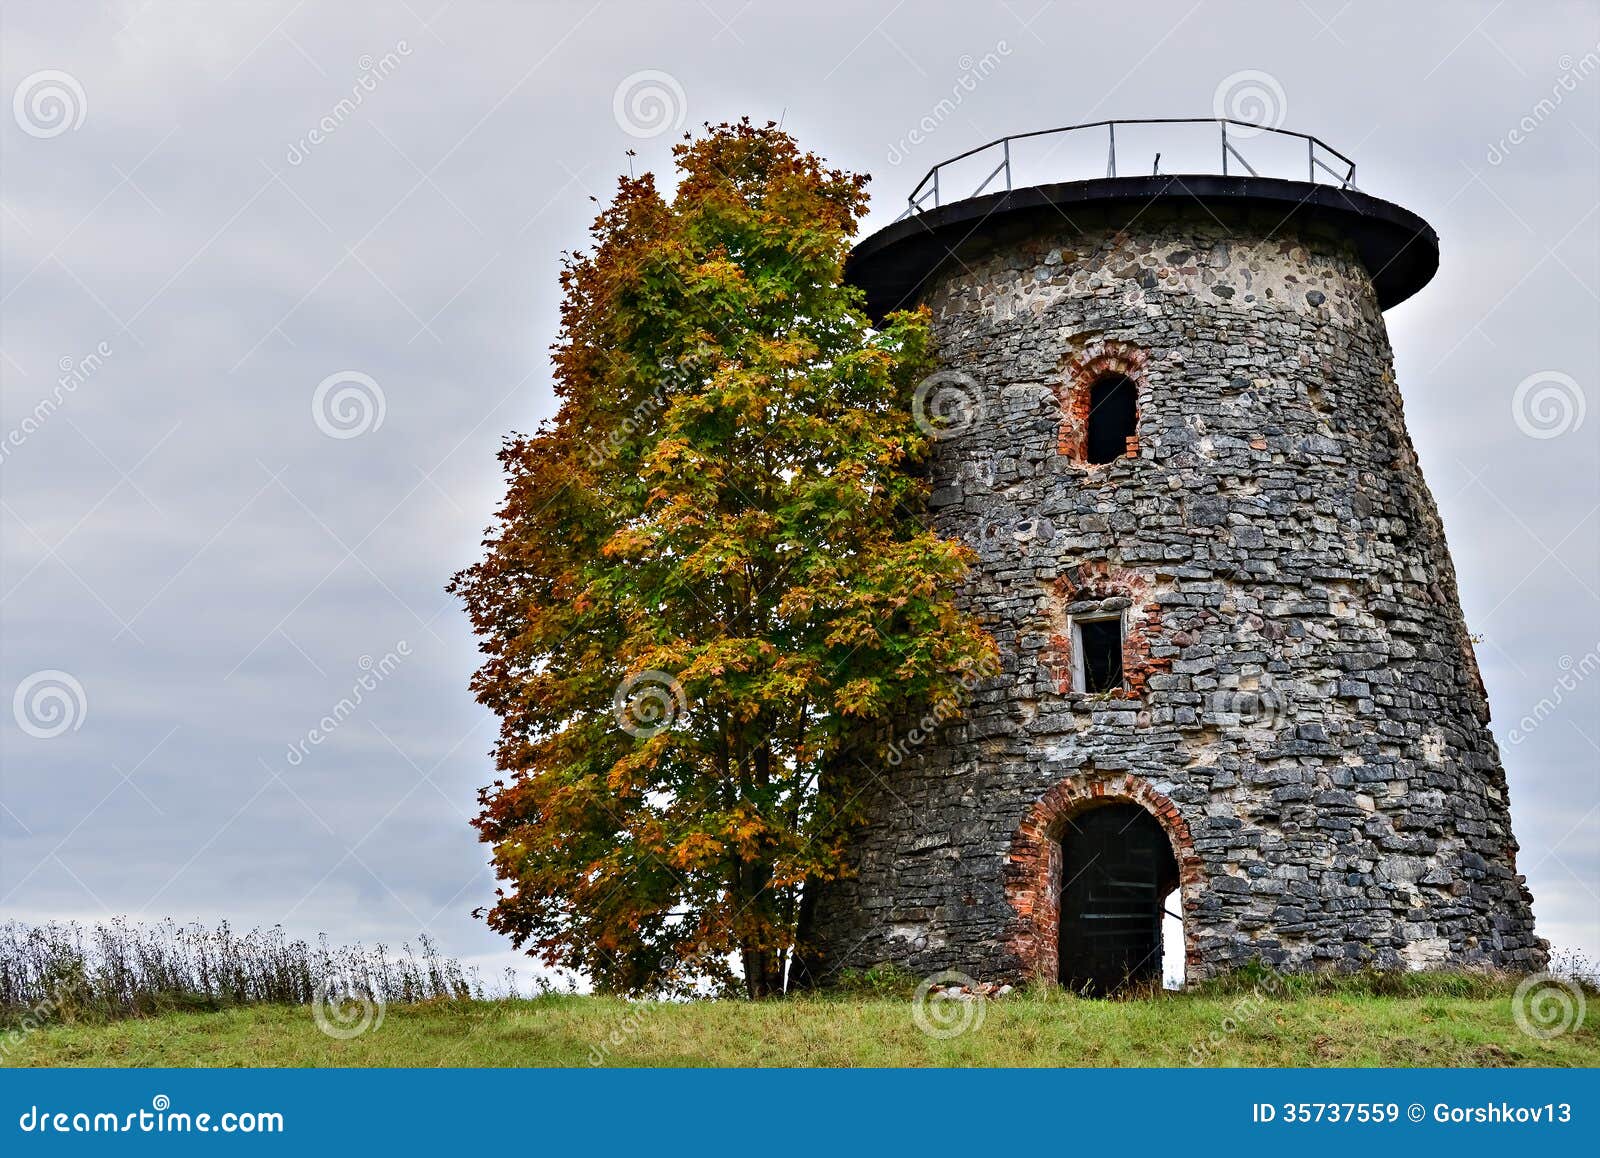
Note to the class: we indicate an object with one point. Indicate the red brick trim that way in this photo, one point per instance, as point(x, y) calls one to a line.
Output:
point(1097, 579)
point(1099, 358)
point(1033, 869)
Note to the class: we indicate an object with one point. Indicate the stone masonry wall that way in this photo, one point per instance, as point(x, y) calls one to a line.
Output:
point(1303, 712)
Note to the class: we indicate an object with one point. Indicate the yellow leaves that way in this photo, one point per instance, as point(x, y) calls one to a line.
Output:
point(697, 850)
point(859, 697)
point(626, 543)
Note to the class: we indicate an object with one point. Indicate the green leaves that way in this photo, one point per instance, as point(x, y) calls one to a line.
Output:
point(726, 500)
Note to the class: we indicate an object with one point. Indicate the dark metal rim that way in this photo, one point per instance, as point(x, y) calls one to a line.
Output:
point(1399, 249)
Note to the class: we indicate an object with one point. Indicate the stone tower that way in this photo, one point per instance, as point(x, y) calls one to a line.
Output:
point(1235, 679)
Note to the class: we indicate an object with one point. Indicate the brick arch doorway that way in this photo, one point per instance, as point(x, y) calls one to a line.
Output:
point(1093, 867)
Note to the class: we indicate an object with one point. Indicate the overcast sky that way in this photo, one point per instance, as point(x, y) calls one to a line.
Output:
point(294, 357)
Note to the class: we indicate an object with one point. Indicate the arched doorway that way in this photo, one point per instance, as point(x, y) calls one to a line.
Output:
point(1117, 869)
point(1037, 878)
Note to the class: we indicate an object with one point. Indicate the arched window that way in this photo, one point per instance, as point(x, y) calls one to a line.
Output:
point(1113, 418)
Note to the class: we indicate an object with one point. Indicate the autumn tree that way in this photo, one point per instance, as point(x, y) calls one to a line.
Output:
point(712, 582)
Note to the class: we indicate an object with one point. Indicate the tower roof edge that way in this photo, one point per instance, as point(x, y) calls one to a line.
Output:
point(1399, 249)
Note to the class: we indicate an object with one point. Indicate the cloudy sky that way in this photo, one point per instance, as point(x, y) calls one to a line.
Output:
point(296, 264)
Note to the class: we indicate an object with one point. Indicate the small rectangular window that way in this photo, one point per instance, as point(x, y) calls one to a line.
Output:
point(1099, 654)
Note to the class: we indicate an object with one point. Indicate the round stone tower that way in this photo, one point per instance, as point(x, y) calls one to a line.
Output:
point(1235, 682)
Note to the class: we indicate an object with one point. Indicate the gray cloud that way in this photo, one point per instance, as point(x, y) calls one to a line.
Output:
point(182, 538)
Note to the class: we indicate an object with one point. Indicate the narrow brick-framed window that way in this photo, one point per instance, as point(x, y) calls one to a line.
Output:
point(1113, 427)
point(1101, 403)
point(1097, 642)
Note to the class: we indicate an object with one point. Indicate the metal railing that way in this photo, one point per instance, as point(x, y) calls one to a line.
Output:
point(1319, 157)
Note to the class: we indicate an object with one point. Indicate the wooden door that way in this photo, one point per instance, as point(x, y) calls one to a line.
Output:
point(1117, 868)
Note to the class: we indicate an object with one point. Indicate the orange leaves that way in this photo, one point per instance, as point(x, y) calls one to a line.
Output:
point(723, 504)
point(697, 850)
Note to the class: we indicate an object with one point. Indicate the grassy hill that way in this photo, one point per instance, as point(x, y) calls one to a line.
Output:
point(1050, 1029)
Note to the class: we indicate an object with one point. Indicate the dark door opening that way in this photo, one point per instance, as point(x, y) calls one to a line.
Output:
point(1117, 868)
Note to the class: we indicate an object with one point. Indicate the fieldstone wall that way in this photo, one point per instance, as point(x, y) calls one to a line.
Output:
point(1303, 708)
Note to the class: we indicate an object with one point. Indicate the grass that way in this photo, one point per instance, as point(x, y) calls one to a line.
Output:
point(1337, 1026)
point(119, 994)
